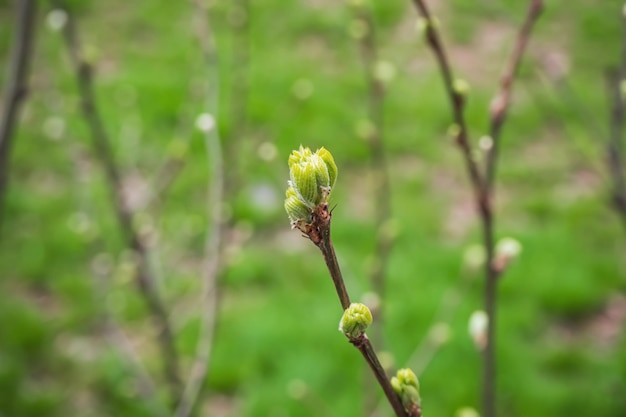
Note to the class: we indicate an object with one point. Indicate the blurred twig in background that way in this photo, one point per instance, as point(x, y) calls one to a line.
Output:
point(104, 153)
point(616, 81)
point(213, 258)
point(376, 74)
point(482, 183)
point(16, 88)
point(239, 19)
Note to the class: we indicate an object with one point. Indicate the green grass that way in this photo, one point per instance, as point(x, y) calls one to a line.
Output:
point(63, 261)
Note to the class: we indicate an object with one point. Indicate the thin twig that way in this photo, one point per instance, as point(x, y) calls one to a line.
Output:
point(200, 367)
point(457, 102)
point(114, 333)
point(104, 152)
point(502, 100)
point(327, 249)
point(615, 145)
point(16, 86)
point(319, 233)
point(381, 185)
point(498, 112)
point(367, 350)
point(482, 185)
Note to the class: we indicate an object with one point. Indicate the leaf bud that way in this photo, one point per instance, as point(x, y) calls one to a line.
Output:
point(355, 320)
point(406, 385)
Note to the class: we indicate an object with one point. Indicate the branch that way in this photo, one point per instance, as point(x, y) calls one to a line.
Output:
point(615, 146)
point(502, 100)
point(482, 186)
point(498, 110)
point(319, 233)
point(457, 102)
point(16, 86)
point(213, 244)
point(104, 152)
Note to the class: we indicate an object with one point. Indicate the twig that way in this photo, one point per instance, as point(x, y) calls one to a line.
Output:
point(381, 189)
point(367, 350)
point(326, 247)
point(104, 152)
point(498, 112)
point(457, 101)
point(319, 233)
point(216, 195)
point(482, 186)
point(113, 330)
point(16, 86)
point(500, 103)
point(615, 146)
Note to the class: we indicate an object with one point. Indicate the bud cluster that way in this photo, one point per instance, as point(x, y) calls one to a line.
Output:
point(406, 385)
point(312, 176)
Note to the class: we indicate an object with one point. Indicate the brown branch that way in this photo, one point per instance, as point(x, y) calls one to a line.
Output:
point(16, 87)
point(457, 102)
point(104, 152)
point(319, 233)
point(615, 145)
point(498, 112)
point(482, 185)
point(502, 100)
point(201, 364)
point(367, 350)
point(381, 187)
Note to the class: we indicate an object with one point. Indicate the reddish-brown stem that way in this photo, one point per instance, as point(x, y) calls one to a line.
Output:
point(367, 350)
point(321, 238)
point(319, 233)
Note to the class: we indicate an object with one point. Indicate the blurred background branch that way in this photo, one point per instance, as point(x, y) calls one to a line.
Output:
point(482, 184)
point(616, 83)
point(215, 205)
point(104, 153)
point(16, 87)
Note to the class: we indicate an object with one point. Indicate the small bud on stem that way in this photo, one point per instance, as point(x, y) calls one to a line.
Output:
point(355, 320)
point(406, 385)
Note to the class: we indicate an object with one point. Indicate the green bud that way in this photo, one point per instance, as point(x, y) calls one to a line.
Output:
point(355, 320)
point(460, 86)
point(328, 159)
point(312, 175)
point(406, 385)
point(296, 209)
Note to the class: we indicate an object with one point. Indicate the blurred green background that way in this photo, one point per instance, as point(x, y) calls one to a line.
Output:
point(291, 74)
